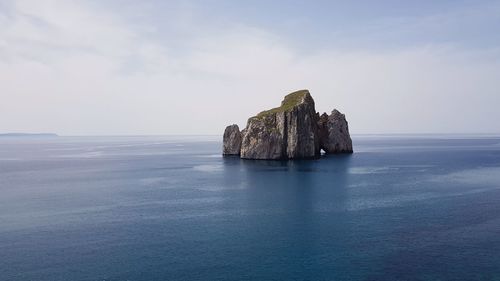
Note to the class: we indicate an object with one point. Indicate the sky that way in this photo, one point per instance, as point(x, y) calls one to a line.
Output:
point(157, 67)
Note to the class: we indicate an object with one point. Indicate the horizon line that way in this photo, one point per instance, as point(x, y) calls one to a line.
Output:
point(55, 135)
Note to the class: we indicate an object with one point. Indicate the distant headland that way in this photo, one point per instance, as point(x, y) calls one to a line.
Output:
point(28, 135)
point(293, 130)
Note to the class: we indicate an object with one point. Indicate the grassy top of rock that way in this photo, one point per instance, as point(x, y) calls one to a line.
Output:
point(288, 103)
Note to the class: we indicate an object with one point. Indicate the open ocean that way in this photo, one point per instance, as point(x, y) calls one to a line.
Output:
point(171, 208)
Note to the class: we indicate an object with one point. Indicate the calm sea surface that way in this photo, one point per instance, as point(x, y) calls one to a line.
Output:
point(171, 208)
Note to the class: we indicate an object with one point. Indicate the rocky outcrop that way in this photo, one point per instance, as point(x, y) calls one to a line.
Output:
point(285, 132)
point(231, 140)
point(334, 133)
point(292, 131)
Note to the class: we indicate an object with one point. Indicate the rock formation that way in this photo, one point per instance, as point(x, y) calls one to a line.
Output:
point(292, 131)
point(288, 131)
point(232, 140)
point(334, 133)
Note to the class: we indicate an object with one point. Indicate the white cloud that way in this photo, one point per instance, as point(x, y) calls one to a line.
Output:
point(71, 68)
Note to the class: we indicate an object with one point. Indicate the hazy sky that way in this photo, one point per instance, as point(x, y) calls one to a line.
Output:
point(193, 67)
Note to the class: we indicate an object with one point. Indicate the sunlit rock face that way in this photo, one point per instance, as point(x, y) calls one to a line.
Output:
point(293, 130)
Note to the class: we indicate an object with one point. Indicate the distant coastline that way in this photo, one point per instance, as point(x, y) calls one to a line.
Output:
point(28, 135)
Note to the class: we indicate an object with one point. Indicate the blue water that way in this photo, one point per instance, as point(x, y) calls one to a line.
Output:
point(171, 208)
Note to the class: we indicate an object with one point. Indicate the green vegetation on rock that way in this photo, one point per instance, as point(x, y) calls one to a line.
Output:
point(288, 103)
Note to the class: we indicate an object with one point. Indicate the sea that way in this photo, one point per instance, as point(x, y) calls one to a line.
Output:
point(401, 207)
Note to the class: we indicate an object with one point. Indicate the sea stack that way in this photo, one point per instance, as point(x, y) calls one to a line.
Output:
point(292, 131)
point(232, 140)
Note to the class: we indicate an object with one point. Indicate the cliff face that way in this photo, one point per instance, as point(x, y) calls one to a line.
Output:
point(288, 131)
point(292, 131)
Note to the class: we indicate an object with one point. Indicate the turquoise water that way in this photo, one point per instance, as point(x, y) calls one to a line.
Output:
point(171, 208)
